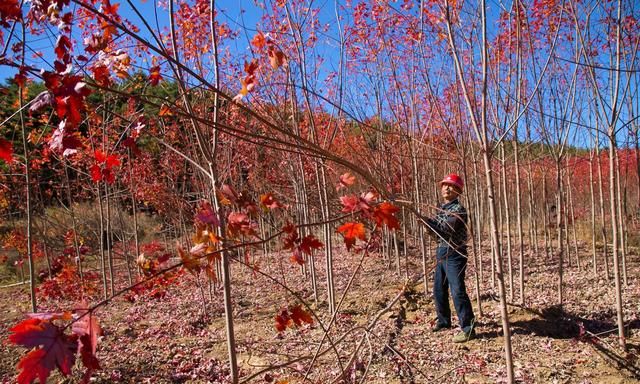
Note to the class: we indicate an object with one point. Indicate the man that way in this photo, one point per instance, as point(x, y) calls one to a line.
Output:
point(449, 227)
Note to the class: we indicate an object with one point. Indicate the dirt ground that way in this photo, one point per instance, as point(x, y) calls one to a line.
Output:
point(182, 338)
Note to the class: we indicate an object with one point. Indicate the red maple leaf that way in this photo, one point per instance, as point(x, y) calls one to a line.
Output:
point(20, 79)
point(239, 223)
point(88, 330)
point(103, 170)
point(300, 316)
point(207, 215)
point(100, 156)
point(292, 237)
point(154, 75)
point(249, 81)
point(96, 173)
point(53, 349)
point(9, 10)
point(191, 263)
point(351, 203)
point(351, 232)
point(268, 201)
point(112, 161)
point(283, 320)
point(296, 257)
point(293, 316)
point(101, 75)
point(6, 150)
point(310, 242)
point(384, 214)
point(63, 45)
point(110, 9)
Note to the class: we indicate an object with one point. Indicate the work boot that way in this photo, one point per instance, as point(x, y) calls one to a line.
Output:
point(439, 327)
point(463, 336)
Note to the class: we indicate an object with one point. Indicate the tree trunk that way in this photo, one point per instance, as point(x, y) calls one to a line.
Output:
point(27, 179)
point(507, 216)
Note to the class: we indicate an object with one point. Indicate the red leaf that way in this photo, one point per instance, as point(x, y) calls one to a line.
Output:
point(250, 68)
point(368, 197)
point(154, 75)
point(6, 150)
point(249, 81)
point(20, 79)
point(96, 173)
point(299, 315)
point(112, 161)
point(110, 9)
point(88, 329)
point(350, 203)
point(100, 156)
point(292, 237)
point(54, 349)
point(296, 257)
point(239, 223)
point(62, 46)
point(71, 141)
point(191, 263)
point(259, 41)
point(31, 367)
point(207, 215)
point(282, 320)
point(268, 201)
point(289, 228)
point(108, 175)
point(9, 10)
point(351, 232)
point(384, 214)
point(101, 75)
point(310, 242)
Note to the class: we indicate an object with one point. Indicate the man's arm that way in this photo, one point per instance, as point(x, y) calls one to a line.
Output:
point(445, 225)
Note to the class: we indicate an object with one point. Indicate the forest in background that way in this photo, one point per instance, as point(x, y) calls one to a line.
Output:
point(140, 157)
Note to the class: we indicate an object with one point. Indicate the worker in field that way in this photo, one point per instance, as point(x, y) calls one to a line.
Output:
point(449, 228)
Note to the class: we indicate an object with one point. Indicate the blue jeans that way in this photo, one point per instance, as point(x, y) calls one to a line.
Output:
point(449, 274)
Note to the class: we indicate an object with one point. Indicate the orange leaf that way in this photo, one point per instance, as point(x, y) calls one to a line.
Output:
point(165, 111)
point(351, 232)
point(190, 263)
point(276, 58)
point(268, 201)
point(259, 41)
point(154, 75)
point(296, 257)
point(384, 214)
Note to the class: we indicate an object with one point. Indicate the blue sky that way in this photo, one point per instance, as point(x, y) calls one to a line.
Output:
point(240, 15)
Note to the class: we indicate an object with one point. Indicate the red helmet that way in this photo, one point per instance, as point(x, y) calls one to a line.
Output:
point(454, 180)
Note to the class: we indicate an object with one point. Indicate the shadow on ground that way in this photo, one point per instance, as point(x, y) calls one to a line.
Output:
point(556, 323)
